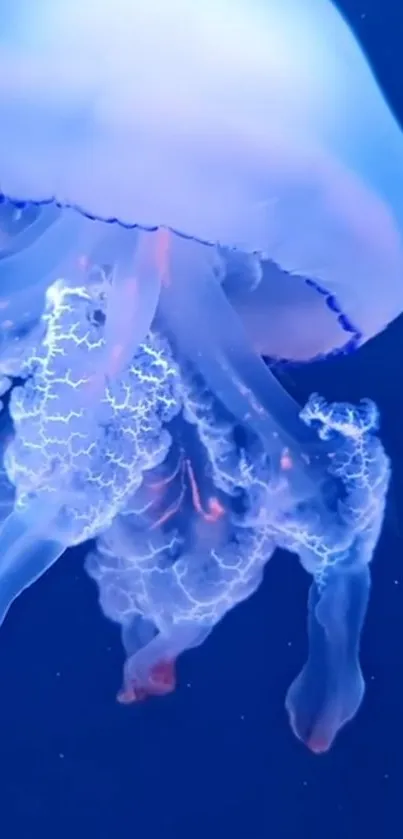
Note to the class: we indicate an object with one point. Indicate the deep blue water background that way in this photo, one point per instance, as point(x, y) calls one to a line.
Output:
point(217, 758)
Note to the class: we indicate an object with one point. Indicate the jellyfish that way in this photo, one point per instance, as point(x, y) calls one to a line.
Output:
point(182, 459)
point(168, 217)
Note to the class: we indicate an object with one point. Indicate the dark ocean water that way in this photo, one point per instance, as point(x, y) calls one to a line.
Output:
point(217, 758)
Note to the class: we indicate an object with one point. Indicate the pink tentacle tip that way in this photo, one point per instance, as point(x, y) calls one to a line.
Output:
point(160, 681)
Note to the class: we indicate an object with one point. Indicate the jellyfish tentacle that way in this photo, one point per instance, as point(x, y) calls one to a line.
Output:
point(223, 356)
point(27, 549)
point(25, 237)
point(151, 670)
point(28, 269)
point(194, 308)
point(132, 298)
point(54, 246)
point(330, 688)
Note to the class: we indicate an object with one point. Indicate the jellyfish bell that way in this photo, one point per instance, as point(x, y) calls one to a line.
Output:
point(258, 126)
